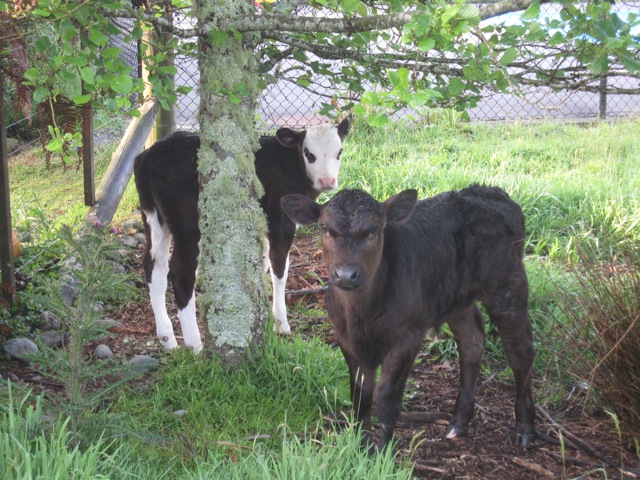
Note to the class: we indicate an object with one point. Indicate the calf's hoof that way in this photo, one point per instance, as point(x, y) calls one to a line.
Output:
point(455, 432)
point(524, 439)
point(281, 328)
point(170, 343)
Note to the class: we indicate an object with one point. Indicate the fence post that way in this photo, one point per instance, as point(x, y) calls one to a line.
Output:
point(602, 105)
point(88, 164)
point(166, 118)
point(120, 169)
point(7, 268)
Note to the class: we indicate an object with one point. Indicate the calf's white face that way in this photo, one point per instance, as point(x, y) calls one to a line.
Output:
point(321, 150)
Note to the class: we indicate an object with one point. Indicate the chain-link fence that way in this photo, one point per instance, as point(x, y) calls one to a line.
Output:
point(287, 103)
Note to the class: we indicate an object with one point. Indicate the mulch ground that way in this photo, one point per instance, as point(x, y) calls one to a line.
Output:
point(574, 441)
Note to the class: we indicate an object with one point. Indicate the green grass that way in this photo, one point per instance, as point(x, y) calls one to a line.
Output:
point(290, 384)
point(578, 186)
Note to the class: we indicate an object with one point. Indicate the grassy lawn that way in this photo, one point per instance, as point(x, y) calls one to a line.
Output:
point(578, 185)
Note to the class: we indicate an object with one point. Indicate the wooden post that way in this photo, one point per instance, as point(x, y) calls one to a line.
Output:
point(119, 172)
point(166, 118)
point(7, 268)
point(88, 164)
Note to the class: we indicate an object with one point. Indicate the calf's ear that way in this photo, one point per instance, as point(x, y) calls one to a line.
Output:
point(290, 138)
point(300, 208)
point(343, 127)
point(400, 206)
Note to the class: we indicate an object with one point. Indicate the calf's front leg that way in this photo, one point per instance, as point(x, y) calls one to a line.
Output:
point(396, 367)
point(362, 382)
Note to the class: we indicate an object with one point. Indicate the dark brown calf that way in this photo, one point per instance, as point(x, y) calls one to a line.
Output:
point(399, 268)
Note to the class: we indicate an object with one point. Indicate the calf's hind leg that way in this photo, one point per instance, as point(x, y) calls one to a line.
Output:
point(509, 313)
point(156, 269)
point(279, 245)
point(183, 265)
point(468, 330)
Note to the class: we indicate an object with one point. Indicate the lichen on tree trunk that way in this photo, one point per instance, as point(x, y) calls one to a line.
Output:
point(233, 302)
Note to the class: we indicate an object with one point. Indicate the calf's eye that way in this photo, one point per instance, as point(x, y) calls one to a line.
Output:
point(310, 156)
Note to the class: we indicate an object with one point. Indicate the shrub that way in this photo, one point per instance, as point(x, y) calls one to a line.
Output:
point(601, 336)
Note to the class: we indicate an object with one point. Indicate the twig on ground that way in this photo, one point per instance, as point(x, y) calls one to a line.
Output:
point(585, 446)
point(533, 467)
point(307, 291)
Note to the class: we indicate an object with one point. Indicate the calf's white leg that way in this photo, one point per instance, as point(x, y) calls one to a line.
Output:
point(160, 245)
point(189, 324)
point(279, 308)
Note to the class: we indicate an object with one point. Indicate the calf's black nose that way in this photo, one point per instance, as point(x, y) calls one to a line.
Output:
point(347, 277)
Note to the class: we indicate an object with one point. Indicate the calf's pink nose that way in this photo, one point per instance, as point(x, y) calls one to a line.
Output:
point(327, 183)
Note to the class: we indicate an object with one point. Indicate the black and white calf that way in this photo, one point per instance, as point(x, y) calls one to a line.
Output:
point(305, 162)
point(399, 267)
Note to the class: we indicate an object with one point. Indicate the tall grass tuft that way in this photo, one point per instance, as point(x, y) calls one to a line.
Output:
point(600, 337)
point(35, 446)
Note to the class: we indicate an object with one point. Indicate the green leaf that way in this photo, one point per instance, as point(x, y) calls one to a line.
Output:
point(370, 98)
point(122, 84)
point(426, 44)
point(88, 75)
point(55, 144)
point(97, 37)
point(469, 13)
point(630, 62)
point(82, 99)
point(4, 7)
point(218, 38)
point(42, 44)
point(532, 12)
point(40, 94)
point(67, 31)
point(508, 56)
point(110, 52)
point(351, 6)
point(615, 43)
point(418, 99)
point(76, 61)
point(456, 86)
point(378, 120)
point(599, 65)
point(359, 109)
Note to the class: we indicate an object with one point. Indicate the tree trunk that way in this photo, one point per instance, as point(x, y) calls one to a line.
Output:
point(233, 302)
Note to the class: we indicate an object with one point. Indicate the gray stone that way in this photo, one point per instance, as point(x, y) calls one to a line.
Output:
point(132, 224)
point(129, 241)
point(69, 287)
point(50, 321)
point(180, 413)
point(108, 322)
point(12, 144)
point(144, 360)
point(13, 377)
point(102, 352)
point(141, 238)
point(52, 339)
point(141, 364)
point(20, 348)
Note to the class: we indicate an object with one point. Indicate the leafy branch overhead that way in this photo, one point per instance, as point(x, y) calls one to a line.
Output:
point(380, 56)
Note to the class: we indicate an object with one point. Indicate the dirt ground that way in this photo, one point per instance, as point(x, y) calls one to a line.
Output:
point(573, 442)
